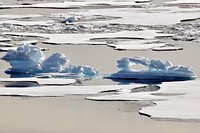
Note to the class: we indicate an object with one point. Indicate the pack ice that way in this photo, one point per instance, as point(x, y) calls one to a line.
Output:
point(154, 70)
point(29, 60)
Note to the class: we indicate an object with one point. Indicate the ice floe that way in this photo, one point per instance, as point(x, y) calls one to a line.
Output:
point(74, 5)
point(33, 42)
point(142, 1)
point(41, 81)
point(26, 23)
point(92, 38)
point(17, 16)
point(6, 49)
point(62, 90)
point(149, 16)
point(29, 60)
point(183, 2)
point(137, 45)
point(2, 39)
point(168, 48)
point(154, 70)
point(174, 100)
point(186, 34)
point(2, 44)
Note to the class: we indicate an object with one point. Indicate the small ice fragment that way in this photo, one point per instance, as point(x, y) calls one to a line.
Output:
point(142, 1)
point(70, 19)
point(86, 26)
point(84, 71)
point(71, 28)
point(33, 42)
point(8, 25)
point(168, 48)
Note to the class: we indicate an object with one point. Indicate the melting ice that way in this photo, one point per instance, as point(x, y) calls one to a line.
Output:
point(29, 60)
point(155, 70)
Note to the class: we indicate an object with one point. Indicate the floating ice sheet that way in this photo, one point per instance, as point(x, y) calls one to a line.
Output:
point(2, 44)
point(168, 48)
point(63, 90)
point(93, 38)
point(183, 2)
point(6, 49)
point(33, 42)
point(175, 100)
point(2, 39)
point(17, 16)
point(27, 23)
point(147, 16)
point(71, 5)
point(154, 70)
point(142, 1)
point(184, 106)
point(41, 81)
point(137, 45)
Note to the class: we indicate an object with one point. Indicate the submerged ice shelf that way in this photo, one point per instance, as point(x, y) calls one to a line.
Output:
point(29, 60)
point(154, 70)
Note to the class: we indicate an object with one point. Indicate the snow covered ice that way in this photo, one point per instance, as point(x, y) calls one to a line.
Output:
point(29, 60)
point(155, 70)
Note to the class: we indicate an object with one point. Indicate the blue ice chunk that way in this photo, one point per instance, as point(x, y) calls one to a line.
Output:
point(25, 59)
point(29, 60)
point(69, 19)
point(55, 63)
point(82, 70)
point(157, 70)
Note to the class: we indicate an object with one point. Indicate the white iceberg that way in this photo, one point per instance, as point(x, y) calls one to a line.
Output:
point(155, 70)
point(81, 70)
point(29, 60)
